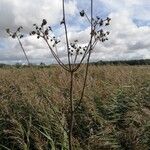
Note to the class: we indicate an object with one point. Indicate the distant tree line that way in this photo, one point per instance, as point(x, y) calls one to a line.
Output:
point(20, 65)
point(120, 62)
point(124, 62)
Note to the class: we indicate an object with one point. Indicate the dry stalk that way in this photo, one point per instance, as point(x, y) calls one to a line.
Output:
point(96, 34)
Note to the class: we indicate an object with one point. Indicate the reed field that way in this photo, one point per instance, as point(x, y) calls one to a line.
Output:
point(114, 113)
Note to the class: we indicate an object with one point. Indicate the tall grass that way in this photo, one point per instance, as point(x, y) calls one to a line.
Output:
point(114, 114)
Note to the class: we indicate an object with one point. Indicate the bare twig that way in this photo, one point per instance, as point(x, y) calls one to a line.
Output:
point(66, 34)
point(71, 111)
point(88, 60)
point(39, 86)
point(56, 57)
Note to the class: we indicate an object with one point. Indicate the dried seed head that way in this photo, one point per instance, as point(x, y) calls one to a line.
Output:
point(75, 41)
point(33, 33)
point(106, 24)
point(108, 19)
point(82, 13)
point(101, 22)
point(107, 32)
point(14, 35)
point(50, 28)
point(8, 30)
point(46, 32)
point(44, 22)
point(103, 40)
point(97, 17)
point(62, 22)
point(78, 50)
point(21, 36)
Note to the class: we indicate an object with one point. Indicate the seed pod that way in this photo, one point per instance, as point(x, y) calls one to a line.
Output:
point(8, 30)
point(101, 22)
point(46, 32)
point(97, 17)
point(108, 19)
point(21, 36)
point(33, 32)
point(14, 35)
point(62, 22)
point(50, 28)
point(75, 41)
point(103, 40)
point(82, 13)
point(44, 22)
point(107, 32)
point(107, 24)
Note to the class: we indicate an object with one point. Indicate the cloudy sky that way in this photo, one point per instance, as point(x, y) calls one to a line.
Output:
point(129, 31)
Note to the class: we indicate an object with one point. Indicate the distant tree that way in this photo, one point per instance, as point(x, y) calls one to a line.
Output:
point(2, 65)
point(42, 64)
point(18, 65)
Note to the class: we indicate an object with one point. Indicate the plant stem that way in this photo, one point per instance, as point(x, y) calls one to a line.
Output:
point(71, 112)
point(66, 34)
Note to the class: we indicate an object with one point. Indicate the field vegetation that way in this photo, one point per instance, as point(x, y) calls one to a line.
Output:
point(114, 114)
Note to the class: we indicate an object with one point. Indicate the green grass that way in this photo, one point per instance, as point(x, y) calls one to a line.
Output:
point(114, 115)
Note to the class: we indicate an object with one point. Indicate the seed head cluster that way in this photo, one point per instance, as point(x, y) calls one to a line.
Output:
point(15, 34)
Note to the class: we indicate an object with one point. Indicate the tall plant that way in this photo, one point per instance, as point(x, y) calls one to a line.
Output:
point(76, 54)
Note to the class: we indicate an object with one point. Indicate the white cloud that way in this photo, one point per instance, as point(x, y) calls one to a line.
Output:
point(14, 13)
point(138, 9)
point(126, 41)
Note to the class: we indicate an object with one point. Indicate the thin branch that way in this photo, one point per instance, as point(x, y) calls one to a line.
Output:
point(88, 60)
point(39, 86)
point(87, 18)
point(66, 34)
point(23, 50)
point(84, 83)
point(71, 111)
point(89, 47)
point(56, 57)
point(75, 59)
point(85, 54)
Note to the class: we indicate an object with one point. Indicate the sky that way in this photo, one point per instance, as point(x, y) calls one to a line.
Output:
point(129, 30)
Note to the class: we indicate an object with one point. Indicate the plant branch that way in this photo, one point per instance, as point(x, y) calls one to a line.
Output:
point(71, 111)
point(39, 86)
point(88, 60)
point(56, 57)
point(66, 34)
